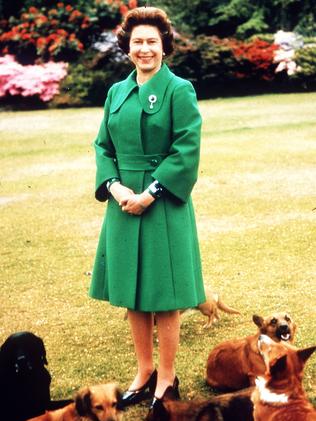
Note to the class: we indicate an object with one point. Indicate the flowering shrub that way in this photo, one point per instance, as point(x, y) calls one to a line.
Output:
point(218, 65)
point(42, 80)
point(60, 33)
point(46, 34)
point(255, 59)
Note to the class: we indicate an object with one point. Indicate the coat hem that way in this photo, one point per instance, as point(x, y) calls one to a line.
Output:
point(153, 310)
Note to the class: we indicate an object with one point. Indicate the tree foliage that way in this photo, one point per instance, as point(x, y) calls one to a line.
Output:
point(236, 18)
point(242, 18)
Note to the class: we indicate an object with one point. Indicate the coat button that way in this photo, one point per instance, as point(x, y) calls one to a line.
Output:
point(154, 162)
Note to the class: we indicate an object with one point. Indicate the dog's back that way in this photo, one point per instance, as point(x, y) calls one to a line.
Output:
point(68, 413)
point(231, 364)
point(235, 406)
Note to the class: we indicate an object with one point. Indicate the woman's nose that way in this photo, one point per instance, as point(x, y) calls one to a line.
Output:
point(144, 46)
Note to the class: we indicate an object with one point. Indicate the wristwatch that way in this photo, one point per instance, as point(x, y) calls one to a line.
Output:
point(155, 189)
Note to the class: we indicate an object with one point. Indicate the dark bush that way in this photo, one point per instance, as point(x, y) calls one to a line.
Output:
point(89, 80)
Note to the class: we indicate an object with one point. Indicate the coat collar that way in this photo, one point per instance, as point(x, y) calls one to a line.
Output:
point(151, 94)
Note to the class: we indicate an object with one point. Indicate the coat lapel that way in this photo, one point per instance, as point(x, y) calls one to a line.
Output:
point(123, 90)
point(151, 94)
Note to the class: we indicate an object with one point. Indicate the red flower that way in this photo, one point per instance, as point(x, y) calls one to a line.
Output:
point(68, 8)
point(62, 32)
point(74, 15)
point(60, 5)
point(80, 45)
point(123, 9)
point(132, 4)
point(41, 42)
point(33, 10)
point(52, 37)
point(28, 37)
point(41, 20)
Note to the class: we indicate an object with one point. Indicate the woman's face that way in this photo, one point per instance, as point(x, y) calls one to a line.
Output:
point(145, 49)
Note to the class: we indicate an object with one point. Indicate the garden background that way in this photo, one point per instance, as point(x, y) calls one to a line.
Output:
point(227, 47)
point(255, 198)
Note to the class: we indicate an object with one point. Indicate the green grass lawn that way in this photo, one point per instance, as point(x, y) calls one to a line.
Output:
point(254, 205)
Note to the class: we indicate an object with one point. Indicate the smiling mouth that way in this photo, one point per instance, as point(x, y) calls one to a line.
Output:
point(285, 336)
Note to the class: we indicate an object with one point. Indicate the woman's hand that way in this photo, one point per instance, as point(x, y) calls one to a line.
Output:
point(136, 204)
point(120, 192)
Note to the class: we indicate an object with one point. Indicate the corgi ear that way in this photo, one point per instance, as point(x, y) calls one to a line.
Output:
point(258, 320)
point(278, 365)
point(304, 354)
point(83, 401)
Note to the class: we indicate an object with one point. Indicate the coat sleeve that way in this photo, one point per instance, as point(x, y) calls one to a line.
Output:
point(105, 155)
point(178, 171)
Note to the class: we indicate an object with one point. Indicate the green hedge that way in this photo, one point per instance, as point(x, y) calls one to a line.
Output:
point(305, 59)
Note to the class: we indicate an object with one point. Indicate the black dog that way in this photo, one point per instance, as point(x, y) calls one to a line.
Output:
point(24, 378)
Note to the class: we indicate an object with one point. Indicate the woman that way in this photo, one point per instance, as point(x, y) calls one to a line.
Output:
point(147, 154)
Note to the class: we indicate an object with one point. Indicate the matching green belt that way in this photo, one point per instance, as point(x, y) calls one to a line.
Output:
point(138, 162)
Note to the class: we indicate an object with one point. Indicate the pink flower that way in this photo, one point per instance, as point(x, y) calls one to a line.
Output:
point(42, 79)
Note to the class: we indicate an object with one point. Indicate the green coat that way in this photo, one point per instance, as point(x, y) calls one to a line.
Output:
point(149, 262)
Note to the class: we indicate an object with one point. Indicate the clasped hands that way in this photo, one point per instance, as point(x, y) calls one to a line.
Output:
point(130, 202)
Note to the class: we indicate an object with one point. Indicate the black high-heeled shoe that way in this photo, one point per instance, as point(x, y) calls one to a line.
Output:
point(132, 397)
point(171, 392)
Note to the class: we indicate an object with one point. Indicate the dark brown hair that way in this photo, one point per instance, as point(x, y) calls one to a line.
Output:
point(146, 16)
